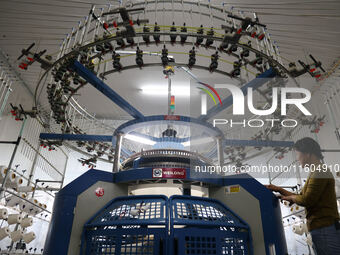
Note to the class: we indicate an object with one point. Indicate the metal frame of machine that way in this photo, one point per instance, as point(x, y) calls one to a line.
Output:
point(66, 213)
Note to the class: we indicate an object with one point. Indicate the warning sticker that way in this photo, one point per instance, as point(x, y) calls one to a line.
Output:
point(232, 189)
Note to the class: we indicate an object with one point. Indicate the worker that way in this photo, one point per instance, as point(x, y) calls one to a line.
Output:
point(318, 197)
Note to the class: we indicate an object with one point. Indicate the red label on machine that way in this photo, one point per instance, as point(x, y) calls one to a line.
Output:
point(173, 173)
point(99, 192)
point(172, 117)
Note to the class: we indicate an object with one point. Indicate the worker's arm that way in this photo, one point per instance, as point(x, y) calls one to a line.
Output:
point(313, 191)
point(282, 191)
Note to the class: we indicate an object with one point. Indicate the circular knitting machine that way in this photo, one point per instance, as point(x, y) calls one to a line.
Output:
point(204, 215)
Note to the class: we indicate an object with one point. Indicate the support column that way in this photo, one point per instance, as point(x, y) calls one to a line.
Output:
point(116, 163)
point(186, 189)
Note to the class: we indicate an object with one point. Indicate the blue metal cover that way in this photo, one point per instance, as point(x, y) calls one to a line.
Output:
point(154, 224)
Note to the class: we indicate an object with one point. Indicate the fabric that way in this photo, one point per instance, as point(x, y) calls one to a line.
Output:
point(326, 240)
point(319, 199)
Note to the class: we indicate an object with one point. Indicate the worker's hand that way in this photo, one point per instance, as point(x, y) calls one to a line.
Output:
point(273, 187)
point(290, 199)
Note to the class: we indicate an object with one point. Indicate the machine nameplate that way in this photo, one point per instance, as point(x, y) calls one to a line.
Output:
point(173, 173)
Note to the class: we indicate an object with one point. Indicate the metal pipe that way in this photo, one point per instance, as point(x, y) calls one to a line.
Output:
point(266, 45)
point(81, 38)
point(116, 163)
point(334, 101)
point(97, 23)
point(267, 163)
point(9, 90)
point(68, 49)
point(63, 176)
point(220, 152)
point(76, 35)
point(292, 214)
point(4, 82)
point(37, 180)
point(257, 42)
point(3, 74)
point(88, 24)
point(33, 165)
point(61, 49)
point(332, 150)
point(332, 117)
point(169, 95)
point(3, 184)
point(298, 174)
point(64, 47)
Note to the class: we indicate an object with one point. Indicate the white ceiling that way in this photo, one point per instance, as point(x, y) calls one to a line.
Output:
point(299, 27)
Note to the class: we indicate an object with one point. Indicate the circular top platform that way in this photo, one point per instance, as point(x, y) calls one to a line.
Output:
point(164, 158)
point(151, 133)
point(134, 124)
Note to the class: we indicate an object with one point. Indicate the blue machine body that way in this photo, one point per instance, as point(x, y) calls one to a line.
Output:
point(115, 230)
point(58, 238)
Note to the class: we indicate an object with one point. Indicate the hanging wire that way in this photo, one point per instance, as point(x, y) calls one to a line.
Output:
point(224, 13)
point(183, 11)
point(192, 24)
point(211, 15)
point(156, 3)
point(173, 13)
point(200, 11)
point(163, 21)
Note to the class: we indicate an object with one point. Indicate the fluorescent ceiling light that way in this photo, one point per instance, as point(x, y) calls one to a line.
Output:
point(139, 139)
point(163, 90)
point(198, 141)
